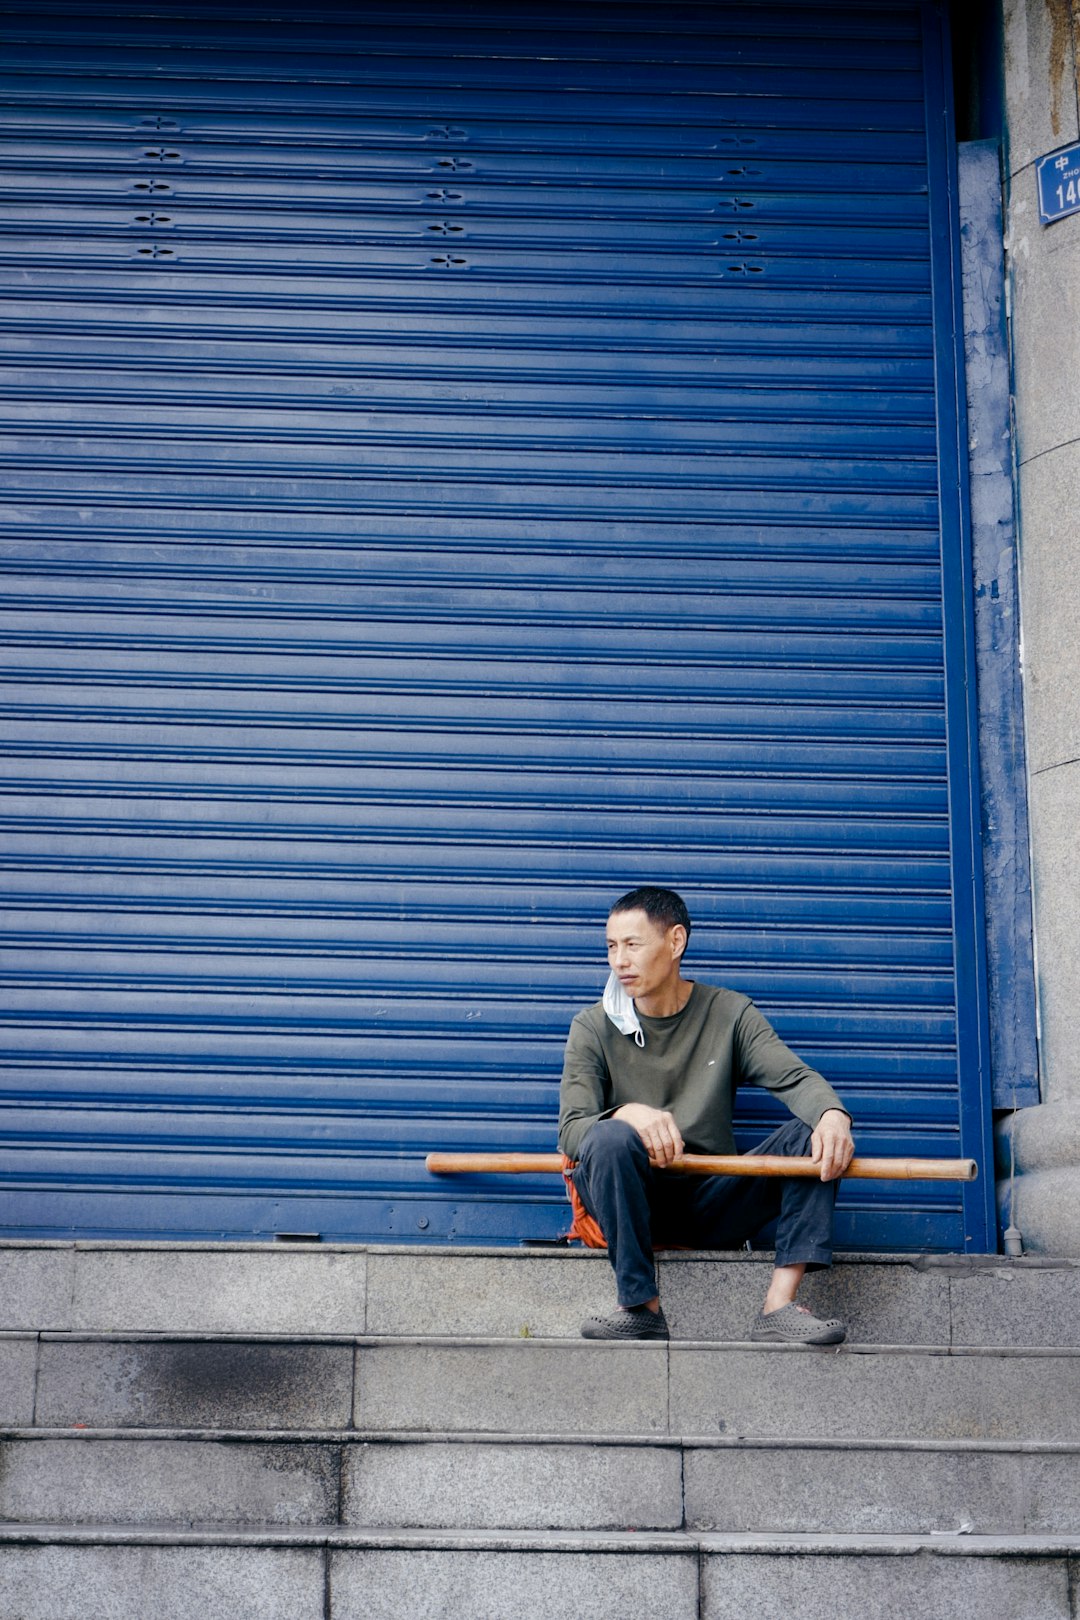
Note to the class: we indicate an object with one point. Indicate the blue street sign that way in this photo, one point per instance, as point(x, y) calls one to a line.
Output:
point(1059, 184)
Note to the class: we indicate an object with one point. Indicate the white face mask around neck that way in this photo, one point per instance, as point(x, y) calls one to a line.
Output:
point(621, 1010)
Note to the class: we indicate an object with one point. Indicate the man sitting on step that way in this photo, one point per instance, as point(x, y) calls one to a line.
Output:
point(650, 1071)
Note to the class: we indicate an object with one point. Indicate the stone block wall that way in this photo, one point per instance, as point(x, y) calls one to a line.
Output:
point(1042, 58)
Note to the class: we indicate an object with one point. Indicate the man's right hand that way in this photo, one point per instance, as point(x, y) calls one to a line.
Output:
point(657, 1130)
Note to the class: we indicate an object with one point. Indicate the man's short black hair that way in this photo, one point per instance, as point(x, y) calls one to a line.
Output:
point(663, 907)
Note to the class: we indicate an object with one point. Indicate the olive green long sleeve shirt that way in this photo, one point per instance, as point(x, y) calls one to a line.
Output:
point(690, 1065)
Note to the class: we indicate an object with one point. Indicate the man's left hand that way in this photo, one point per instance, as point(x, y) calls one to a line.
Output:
point(831, 1145)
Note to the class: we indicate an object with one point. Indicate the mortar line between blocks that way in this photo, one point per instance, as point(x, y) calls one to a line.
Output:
point(340, 1505)
point(1072, 1585)
point(1024, 1492)
point(71, 1291)
point(37, 1381)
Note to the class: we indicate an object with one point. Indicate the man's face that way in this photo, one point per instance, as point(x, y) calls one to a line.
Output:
point(643, 957)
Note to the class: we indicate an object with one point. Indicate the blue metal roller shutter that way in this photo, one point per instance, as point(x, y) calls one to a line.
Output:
point(459, 466)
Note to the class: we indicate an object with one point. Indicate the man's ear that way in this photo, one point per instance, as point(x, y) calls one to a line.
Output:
point(677, 936)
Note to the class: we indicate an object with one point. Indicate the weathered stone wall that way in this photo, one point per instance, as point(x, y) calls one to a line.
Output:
point(1042, 56)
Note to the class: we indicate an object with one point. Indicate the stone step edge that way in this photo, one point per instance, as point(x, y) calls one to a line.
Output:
point(689, 1542)
point(374, 1341)
point(477, 1437)
point(963, 1264)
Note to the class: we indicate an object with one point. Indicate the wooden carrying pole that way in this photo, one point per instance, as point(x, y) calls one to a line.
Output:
point(715, 1164)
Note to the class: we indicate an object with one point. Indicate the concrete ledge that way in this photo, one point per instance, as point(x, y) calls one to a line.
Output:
point(904, 1392)
point(498, 1295)
point(1017, 1305)
point(529, 1386)
point(315, 1292)
point(536, 1386)
point(823, 1587)
point(882, 1304)
point(55, 1581)
point(878, 1492)
point(36, 1285)
point(371, 1585)
point(697, 1442)
point(744, 1544)
point(514, 1487)
point(18, 1368)
point(196, 1384)
point(50, 1572)
point(541, 1387)
point(272, 1290)
point(152, 1481)
point(731, 1582)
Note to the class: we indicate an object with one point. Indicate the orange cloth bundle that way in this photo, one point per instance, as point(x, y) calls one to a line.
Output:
point(583, 1227)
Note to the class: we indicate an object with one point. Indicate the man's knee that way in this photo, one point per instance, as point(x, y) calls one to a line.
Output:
point(612, 1144)
point(791, 1138)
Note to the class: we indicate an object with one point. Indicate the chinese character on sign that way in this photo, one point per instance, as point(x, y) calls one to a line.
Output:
point(1058, 175)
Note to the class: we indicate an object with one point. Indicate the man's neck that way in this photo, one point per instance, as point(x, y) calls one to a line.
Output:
point(665, 1003)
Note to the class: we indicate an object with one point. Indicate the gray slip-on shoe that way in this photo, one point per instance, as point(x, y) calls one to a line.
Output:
point(794, 1324)
point(637, 1323)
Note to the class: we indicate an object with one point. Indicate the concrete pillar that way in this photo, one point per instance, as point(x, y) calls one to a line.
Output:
point(1042, 54)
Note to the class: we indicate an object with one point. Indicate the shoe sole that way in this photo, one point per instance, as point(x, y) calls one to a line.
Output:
point(837, 1336)
point(600, 1332)
point(628, 1338)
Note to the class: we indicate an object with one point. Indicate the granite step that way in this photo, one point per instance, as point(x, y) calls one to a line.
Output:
point(52, 1572)
point(232, 1479)
point(315, 1289)
point(543, 1386)
point(304, 1430)
point(738, 1390)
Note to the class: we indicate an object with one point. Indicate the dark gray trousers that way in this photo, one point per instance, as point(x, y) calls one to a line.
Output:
point(638, 1206)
